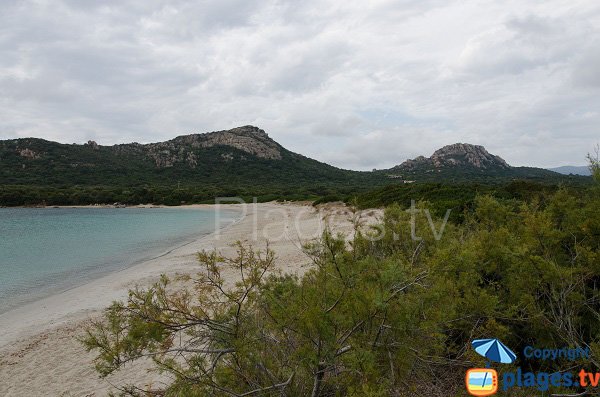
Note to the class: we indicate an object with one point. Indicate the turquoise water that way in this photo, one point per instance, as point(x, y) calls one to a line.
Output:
point(47, 250)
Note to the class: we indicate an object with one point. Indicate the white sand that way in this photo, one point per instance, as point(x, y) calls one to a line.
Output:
point(39, 352)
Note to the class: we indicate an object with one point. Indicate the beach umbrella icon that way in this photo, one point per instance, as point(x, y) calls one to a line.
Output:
point(494, 350)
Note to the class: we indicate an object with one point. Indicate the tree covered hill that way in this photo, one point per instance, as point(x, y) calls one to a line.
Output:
point(243, 161)
point(243, 156)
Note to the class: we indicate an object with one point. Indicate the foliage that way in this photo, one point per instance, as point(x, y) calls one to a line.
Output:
point(460, 198)
point(382, 314)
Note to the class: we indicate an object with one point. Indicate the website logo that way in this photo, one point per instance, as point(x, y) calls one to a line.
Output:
point(484, 381)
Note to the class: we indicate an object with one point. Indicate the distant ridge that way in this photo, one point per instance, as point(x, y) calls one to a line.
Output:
point(572, 170)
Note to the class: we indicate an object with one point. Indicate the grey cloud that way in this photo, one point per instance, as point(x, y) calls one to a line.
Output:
point(357, 84)
point(534, 25)
point(586, 72)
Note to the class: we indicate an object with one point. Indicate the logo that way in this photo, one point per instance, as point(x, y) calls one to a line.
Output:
point(482, 381)
point(486, 382)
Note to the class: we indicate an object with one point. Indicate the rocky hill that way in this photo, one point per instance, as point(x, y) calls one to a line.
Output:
point(182, 150)
point(226, 160)
point(458, 155)
point(465, 162)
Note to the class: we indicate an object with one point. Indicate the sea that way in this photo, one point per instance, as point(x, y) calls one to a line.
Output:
point(44, 251)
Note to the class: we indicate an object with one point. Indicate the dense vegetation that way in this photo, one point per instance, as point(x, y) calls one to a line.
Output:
point(461, 174)
point(460, 197)
point(381, 315)
point(18, 195)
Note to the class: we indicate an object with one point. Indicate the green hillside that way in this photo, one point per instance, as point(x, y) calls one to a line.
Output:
point(39, 162)
point(192, 168)
point(242, 161)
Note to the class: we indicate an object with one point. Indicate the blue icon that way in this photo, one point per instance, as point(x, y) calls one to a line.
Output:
point(494, 350)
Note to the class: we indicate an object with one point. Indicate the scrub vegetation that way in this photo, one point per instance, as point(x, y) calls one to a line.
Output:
point(380, 314)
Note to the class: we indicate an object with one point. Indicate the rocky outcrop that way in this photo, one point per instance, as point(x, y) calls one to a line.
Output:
point(186, 148)
point(457, 155)
point(249, 139)
point(93, 145)
point(29, 154)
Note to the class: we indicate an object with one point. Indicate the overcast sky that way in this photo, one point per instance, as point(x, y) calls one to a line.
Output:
point(358, 84)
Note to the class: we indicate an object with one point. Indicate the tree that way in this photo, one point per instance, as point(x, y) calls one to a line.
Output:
point(349, 326)
point(594, 163)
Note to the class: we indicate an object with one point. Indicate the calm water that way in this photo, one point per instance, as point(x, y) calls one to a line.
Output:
point(46, 250)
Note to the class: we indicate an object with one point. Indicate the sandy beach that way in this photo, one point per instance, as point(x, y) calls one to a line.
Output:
point(39, 351)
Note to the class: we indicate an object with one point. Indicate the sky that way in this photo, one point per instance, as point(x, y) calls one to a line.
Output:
point(357, 84)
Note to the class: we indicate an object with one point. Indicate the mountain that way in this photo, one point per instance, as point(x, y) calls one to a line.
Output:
point(243, 161)
point(240, 157)
point(463, 162)
point(572, 170)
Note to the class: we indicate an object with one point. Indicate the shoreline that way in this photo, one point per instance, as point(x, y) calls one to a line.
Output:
point(29, 309)
point(182, 206)
point(233, 216)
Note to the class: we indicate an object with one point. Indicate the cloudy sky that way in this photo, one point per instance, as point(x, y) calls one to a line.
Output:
point(357, 84)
